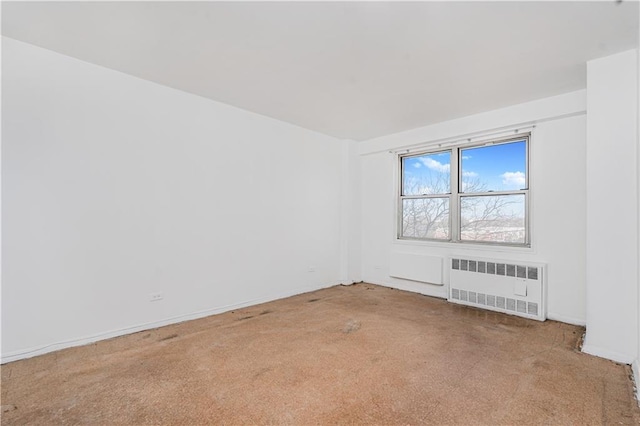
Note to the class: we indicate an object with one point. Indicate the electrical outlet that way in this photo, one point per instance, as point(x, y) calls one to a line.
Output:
point(154, 297)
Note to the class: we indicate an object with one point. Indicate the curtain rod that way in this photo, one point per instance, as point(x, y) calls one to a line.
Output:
point(470, 138)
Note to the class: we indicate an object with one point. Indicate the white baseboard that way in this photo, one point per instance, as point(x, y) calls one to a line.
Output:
point(605, 353)
point(44, 349)
point(566, 319)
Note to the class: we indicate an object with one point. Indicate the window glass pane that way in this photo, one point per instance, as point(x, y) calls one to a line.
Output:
point(427, 174)
point(493, 218)
point(494, 168)
point(425, 218)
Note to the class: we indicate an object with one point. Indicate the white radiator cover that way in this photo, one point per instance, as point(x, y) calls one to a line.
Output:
point(512, 287)
point(416, 267)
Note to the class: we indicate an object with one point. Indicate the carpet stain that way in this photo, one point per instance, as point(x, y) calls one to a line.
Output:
point(245, 318)
point(169, 337)
point(351, 326)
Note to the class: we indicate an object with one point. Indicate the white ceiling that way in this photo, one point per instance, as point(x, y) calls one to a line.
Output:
point(350, 70)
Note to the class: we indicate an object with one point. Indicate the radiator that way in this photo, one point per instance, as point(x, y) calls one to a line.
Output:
point(505, 286)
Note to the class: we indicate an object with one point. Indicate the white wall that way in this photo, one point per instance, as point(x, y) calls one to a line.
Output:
point(354, 213)
point(350, 214)
point(558, 200)
point(636, 363)
point(612, 207)
point(115, 188)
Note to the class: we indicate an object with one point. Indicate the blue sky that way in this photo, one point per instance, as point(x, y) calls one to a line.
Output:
point(495, 167)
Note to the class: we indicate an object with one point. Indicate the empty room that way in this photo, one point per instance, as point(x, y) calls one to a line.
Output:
point(304, 213)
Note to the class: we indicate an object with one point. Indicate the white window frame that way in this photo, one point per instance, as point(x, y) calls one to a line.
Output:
point(456, 195)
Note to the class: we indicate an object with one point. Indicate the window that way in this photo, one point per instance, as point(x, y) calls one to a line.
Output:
point(471, 193)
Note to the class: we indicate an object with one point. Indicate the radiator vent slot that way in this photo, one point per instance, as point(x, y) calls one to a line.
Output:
point(504, 286)
point(508, 269)
point(491, 300)
point(482, 299)
point(506, 303)
point(521, 271)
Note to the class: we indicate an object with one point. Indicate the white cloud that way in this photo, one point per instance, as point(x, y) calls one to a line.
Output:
point(469, 174)
point(466, 157)
point(417, 165)
point(435, 165)
point(513, 179)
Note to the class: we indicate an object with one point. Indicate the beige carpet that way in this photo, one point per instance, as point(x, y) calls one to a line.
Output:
point(361, 354)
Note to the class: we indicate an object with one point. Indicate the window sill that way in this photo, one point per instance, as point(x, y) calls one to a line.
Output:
point(446, 245)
